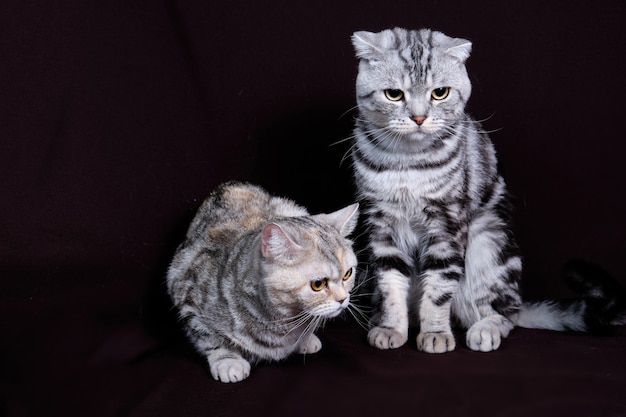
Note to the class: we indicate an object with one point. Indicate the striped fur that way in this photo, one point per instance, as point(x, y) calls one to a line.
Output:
point(434, 202)
point(257, 275)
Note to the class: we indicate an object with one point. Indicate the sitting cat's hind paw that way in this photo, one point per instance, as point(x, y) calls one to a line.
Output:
point(483, 336)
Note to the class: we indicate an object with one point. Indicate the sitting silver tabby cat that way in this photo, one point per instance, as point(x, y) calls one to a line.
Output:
point(257, 275)
point(436, 207)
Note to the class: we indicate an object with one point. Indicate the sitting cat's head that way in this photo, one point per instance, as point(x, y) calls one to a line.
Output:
point(411, 85)
point(309, 265)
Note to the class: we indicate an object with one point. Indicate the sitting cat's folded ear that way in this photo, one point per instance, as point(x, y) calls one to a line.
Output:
point(344, 220)
point(276, 243)
point(368, 45)
point(458, 48)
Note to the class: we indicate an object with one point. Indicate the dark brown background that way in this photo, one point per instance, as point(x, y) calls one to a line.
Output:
point(117, 118)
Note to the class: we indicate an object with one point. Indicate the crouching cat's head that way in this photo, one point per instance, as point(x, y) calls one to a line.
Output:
point(309, 265)
point(411, 85)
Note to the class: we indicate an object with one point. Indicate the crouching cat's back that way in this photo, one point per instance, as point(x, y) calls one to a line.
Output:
point(257, 275)
point(234, 209)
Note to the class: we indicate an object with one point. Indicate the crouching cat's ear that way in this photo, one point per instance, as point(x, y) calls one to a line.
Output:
point(344, 220)
point(276, 243)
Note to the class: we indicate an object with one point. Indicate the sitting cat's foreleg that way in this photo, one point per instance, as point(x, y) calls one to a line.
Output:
point(442, 265)
point(227, 366)
point(435, 335)
point(392, 327)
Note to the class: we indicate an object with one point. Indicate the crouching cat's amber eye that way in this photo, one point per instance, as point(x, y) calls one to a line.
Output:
point(319, 284)
point(393, 94)
point(347, 275)
point(440, 93)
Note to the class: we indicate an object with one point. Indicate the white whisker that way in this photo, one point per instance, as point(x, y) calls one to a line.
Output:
point(360, 317)
point(348, 111)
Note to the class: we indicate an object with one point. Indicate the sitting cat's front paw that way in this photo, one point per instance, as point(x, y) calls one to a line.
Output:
point(310, 344)
point(386, 338)
point(230, 369)
point(436, 342)
point(483, 336)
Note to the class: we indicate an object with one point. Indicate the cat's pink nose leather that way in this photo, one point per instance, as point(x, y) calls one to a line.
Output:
point(419, 120)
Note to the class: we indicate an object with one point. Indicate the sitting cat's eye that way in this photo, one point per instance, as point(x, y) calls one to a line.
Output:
point(319, 284)
point(347, 275)
point(440, 93)
point(393, 94)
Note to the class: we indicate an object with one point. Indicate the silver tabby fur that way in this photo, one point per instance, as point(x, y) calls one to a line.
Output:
point(434, 203)
point(257, 275)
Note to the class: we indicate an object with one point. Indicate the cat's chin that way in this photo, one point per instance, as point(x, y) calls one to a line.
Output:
point(421, 136)
point(329, 310)
point(334, 313)
point(415, 141)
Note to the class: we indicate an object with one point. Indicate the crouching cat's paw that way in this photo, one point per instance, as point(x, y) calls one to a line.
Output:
point(483, 336)
point(230, 369)
point(436, 342)
point(310, 344)
point(386, 338)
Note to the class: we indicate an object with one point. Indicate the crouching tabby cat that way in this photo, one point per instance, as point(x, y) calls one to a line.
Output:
point(257, 275)
point(435, 205)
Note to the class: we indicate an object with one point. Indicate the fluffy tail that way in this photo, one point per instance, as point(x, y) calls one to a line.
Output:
point(600, 306)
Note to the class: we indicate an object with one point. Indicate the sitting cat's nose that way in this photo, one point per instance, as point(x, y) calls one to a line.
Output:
point(419, 120)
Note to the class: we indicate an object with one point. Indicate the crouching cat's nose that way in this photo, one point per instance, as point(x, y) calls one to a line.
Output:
point(419, 119)
point(341, 296)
